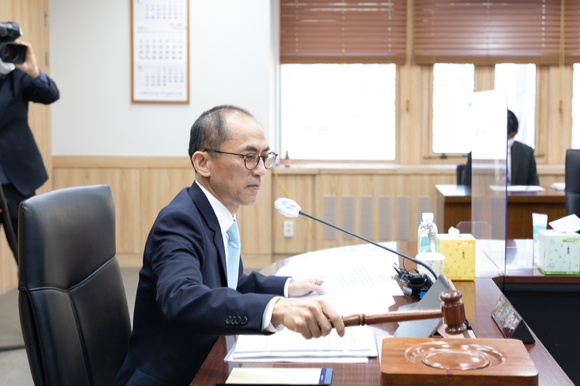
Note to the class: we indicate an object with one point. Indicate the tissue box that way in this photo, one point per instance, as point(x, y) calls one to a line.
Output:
point(558, 253)
point(459, 251)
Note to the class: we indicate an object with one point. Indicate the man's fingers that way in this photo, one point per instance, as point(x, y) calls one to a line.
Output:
point(310, 318)
point(318, 289)
point(335, 319)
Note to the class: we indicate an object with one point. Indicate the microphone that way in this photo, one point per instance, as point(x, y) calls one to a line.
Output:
point(289, 208)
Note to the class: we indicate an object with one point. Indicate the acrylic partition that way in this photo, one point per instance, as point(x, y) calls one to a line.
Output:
point(488, 181)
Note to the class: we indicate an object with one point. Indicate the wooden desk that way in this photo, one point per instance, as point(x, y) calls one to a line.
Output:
point(521, 269)
point(455, 200)
point(482, 293)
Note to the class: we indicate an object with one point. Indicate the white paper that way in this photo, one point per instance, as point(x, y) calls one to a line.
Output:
point(357, 342)
point(569, 223)
point(354, 285)
point(359, 291)
point(274, 376)
point(517, 188)
point(558, 186)
point(229, 358)
point(394, 288)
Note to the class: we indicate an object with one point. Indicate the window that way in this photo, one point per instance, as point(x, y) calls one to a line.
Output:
point(576, 107)
point(453, 86)
point(338, 111)
point(519, 83)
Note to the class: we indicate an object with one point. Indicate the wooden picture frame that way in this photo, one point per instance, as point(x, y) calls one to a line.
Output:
point(160, 51)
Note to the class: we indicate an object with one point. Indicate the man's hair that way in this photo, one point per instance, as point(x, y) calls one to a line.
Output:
point(209, 131)
point(512, 123)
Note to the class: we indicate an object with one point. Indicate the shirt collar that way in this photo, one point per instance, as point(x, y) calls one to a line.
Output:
point(225, 218)
point(511, 142)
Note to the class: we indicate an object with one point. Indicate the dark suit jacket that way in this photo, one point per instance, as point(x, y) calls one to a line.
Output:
point(183, 302)
point(19, 154)
point(523, 166)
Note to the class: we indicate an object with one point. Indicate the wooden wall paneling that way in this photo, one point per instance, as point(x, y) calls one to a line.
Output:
point(424, 185)
point(256, 228)
point(414, 138)
point(126, 187)
point(560, 121)
point(385, 188)
point(301, 188)
point(553, 127)
point(158, 187)
point(350, 186)
point(327, 185)
point(368, 185)
point(484, 77)
point(542, 83)
point(401, 188)
point(547, 180)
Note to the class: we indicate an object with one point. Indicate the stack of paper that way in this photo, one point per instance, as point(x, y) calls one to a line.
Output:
point(286, 346)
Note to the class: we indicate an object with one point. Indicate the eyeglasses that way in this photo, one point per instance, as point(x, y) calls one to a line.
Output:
point(251, 160)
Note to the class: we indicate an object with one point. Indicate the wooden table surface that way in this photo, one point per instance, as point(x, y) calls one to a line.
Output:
point(456, 204)
point(479, 298)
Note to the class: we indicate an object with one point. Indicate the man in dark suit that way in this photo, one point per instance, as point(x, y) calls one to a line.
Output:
point(192, 287)
point(21, 168)
point(521, 162)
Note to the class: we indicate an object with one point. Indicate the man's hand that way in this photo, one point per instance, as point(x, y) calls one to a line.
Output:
point(29, 66)
point(310, 318)
point(304, 287)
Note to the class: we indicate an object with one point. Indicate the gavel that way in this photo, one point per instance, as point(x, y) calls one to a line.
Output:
point(452, 311)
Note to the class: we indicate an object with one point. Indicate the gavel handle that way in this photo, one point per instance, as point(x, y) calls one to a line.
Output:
point(390, 317)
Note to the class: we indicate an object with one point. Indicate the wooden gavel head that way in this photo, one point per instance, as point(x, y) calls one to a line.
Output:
point(453, 311)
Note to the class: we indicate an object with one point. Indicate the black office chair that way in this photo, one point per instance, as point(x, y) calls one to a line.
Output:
point(572, 192)
point(73, 308)
point(459, 174)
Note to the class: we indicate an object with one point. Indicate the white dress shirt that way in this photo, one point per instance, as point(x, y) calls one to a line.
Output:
point(225, 220)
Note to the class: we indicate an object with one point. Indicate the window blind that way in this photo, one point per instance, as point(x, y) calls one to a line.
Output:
point(572, 31)
point(323, 31)
point(487, 32)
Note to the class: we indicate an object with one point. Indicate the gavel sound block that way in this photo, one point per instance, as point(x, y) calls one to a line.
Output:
point(449, 362)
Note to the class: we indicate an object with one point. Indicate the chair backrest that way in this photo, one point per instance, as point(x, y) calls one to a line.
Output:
point(459, 174)
point(73, 308)
point(572, 182)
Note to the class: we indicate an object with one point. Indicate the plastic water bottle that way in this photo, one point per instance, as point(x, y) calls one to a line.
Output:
point(427, 235)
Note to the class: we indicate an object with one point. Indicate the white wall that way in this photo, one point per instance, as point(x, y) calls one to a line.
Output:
point(232, 61)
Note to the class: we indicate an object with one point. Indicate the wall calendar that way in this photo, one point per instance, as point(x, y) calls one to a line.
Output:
point(160, 51)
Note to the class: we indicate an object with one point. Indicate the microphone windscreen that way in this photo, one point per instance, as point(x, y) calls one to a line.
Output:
point(287, 207)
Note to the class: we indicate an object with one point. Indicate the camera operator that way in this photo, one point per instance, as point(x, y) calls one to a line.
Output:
point(22, 170)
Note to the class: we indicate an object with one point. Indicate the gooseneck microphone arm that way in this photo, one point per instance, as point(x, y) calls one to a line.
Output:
point(373, 243)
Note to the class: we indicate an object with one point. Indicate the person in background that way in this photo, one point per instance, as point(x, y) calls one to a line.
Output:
point(22, 170)
point(521, 163)
point(192, 287)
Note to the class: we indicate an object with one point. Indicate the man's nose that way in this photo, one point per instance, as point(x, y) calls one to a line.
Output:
point(260, 169)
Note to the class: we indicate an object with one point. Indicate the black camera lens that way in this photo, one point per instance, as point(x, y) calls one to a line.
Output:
point(12, 53)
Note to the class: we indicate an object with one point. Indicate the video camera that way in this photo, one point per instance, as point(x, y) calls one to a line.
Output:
point(11, 52)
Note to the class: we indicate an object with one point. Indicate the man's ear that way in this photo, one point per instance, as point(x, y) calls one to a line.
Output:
point(200, 163)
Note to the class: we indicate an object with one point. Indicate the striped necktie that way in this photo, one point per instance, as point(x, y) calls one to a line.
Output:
point(233, 255)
